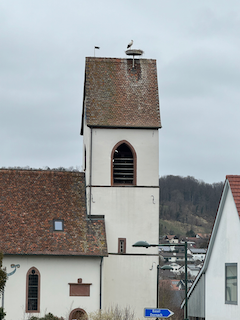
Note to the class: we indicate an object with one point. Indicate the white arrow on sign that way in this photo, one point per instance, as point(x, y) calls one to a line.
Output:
point(157, 313)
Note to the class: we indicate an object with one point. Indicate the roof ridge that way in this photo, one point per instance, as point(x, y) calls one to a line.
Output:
point(119, 59)
point(39, 170)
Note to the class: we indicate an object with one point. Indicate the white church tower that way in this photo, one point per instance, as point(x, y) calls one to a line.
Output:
point(120, 125)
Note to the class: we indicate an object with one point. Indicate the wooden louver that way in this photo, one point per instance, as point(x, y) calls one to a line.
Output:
point(123, 165)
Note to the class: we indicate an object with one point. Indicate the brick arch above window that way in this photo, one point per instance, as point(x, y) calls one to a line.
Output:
point(78, 314)
point(33, 291)
point(123, 164)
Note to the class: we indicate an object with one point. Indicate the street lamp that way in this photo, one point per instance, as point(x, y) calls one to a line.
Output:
point(145, 244)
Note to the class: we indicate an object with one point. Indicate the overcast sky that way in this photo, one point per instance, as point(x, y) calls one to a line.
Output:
point(42, 59)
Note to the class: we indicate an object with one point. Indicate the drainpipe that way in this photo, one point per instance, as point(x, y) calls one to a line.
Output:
point(186, 282)
point(158, 267)
point(100, 293)
point(3, 298)
point(90, 176)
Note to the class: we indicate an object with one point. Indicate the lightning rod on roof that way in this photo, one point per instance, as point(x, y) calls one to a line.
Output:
point(95, 48)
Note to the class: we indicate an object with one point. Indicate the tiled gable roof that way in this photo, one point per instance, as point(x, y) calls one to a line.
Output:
point(31, 199)
point(170, 236)
point(234, 182)
point(118, 95)
point(198, 250)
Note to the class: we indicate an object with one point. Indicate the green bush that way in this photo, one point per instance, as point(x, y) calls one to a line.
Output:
point(2, 314)
point(48, 316)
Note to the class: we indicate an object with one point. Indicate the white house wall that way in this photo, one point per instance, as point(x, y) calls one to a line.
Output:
point(129, 213)
point(196, 305)
point(224, 251)
point(55, 275)
point(198, 256)
point(135, 285)
point(145, 143)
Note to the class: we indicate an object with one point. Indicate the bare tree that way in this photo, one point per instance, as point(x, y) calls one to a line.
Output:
point(170, 299)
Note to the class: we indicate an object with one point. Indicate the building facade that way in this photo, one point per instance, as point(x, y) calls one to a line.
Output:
point(67, 236)
point(120, 129)
point(52, 252)
point(215, 291)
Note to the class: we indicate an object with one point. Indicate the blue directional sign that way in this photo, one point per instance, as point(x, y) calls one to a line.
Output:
point(157, 313)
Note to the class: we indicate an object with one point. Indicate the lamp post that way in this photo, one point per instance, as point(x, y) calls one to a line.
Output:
point(145, 244)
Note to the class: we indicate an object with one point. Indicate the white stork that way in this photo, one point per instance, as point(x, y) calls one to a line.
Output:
point(130, 44)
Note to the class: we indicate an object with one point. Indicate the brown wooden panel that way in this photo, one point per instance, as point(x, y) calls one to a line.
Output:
point(79, 289)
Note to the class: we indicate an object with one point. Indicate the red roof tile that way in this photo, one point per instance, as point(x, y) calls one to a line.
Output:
point(234, 182)
point(31, 199)
point(118, 95)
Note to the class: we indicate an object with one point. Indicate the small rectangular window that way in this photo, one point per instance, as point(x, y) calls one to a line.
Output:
point(231, 286)
point(121, 245)
point(58, 225)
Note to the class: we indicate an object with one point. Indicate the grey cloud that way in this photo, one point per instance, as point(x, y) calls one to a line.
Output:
point(196, 44)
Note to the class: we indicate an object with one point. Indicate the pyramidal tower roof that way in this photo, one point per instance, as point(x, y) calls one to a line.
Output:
point(118, 93)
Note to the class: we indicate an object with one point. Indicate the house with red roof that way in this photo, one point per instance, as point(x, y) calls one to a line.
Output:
point(215, 291)
point(171, 239)
point(67, 236)
point(53, 251)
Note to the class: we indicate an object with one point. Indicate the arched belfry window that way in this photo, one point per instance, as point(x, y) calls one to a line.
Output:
point(33, 291)
point(123, 164)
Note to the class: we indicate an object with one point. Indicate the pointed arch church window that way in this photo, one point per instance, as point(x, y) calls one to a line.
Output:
point(33, 291)
point(123, 164)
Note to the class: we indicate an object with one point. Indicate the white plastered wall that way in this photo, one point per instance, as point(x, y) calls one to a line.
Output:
point(145, 143)
point(225, 250)
point(130, 212)
point(130, 282)
point(55, 274)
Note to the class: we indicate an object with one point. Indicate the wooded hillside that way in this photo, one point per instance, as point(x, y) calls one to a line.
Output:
point(187, 204)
